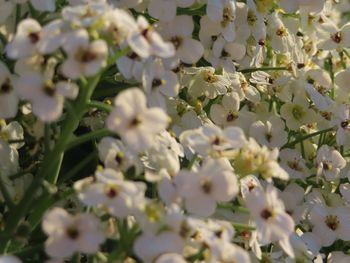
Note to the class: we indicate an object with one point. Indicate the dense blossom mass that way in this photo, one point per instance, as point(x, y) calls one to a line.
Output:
point(172, 131)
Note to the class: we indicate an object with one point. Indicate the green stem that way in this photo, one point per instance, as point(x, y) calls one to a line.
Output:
point(18, 15)
point(118, 54)
point(234, 208)
point(47, 136)
point(100, 106)
point(27, 251)
point(44, 203)
point(56, 168)
point(70, 125)
point(346, 53)
point(293, 143)
point(77, 168)
point(193, 160)
point(243, 226)
point(46, 171)
point(88, 137)
point(250, 70)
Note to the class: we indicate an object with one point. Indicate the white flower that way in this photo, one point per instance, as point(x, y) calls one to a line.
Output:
point(334, 38)
point(68, 234)
point(272, 222)
point(293, 199)
point(31, 38)
point(8, 159)
point(113, 154)
point(170, 258)
point(8, 97)
point(149, 246)
point(342, 80)
point(318, 83)
point(165, 153)
point(131, 66)
point(84, 58)
point(308, 6)
point(281, 40)
point(228, 114)
point(146, 41)
point(118, 25)
point(297, 113)
point(134, 122)
point(275, 84)
point(271, 133)
point(223, 251)
point(329, 163)
point(341, 118)
point(225, 54)
point(243, 88)
point(294, 164)
point(110, 190)
point(86, 14)
point(159, 83)
point(165, 10)
point(12, 131)
point(179, 32)
point(47, 98)
point(214, 182)
point(330, 223)
point(249, 183)
point(255, 21)
point(222, 12)
point(345, 191)
point(204, 81)
point(210, 139)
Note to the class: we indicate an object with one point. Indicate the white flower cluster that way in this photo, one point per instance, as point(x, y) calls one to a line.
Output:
point(174, 131)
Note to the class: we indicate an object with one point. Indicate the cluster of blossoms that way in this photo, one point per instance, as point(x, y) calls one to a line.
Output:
point(174, 131)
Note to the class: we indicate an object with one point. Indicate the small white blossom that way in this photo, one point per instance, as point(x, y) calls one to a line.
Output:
point(134, 122)
point(68, 234)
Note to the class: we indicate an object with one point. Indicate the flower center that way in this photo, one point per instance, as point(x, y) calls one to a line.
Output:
point(227, 17)
point(332, 222)
point(231, 116)
point(112, 191)
point(88, 56)
point(344, 124)
point(298, 112)
point(282, 32)
point(134, 122)
point(210, 77)
point(216, 140)
point(266, 214)
point(268, 136)
point(327, 166)
point(158, 82)
point(251, 18)
point(206, 185)
point(49, 89)
point(5, 87)
point(72, 232)
point(337, 37)
point(34, 37)
point(294, 165)
point(177, 41)
point(119, 157)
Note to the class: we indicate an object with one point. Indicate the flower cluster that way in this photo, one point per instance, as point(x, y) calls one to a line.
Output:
point(174, 131)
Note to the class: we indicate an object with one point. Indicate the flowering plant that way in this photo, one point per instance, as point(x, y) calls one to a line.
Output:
point(174, 131)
